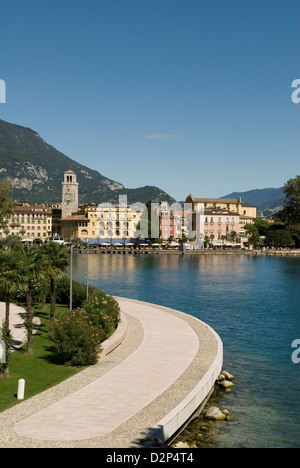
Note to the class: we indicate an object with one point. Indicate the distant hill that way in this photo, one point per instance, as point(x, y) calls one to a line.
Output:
point(268, 200)
point(36, 170)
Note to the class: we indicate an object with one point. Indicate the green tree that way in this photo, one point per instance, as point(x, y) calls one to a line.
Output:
point(253, 234)
point(279, 238)
point(295, 233)
point(10, 282)
point(262, 226)
point(233, 235)
point(6, 337)
point(55, 258)
point(77, 242)
point(6, 204)
point(206, 241)
point(30, 267)
point(11, 241)
point(291, 212)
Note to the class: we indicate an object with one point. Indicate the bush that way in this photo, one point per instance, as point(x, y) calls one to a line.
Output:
point(63, 292)
point(103, 312)
point(78, 334)
point(76, 340)
point(6, 337)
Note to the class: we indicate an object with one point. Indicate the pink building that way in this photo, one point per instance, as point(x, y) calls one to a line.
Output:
point(170, 222)
point(217, 224)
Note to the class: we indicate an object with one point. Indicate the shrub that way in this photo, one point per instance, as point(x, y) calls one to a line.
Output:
point(6, 337)
point(103, 312)
point(77, 335)
point(75, 340)
point(63, 292)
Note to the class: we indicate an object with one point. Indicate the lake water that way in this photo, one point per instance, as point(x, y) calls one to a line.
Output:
point(253, 303)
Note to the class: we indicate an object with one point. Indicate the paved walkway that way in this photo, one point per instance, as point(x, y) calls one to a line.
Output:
point(116, 409)
point(17, 325)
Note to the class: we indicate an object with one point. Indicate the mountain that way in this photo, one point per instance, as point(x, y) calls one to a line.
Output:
point(268, 200)
point(36, 170)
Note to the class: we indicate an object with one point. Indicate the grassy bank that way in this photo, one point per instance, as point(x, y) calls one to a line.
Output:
point(37, 370)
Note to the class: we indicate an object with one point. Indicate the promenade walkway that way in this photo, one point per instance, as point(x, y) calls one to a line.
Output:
point(115, 403)
point(17, 325)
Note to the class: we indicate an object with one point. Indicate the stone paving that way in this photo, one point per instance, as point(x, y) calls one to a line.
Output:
point(17, 325)
point(115, 403)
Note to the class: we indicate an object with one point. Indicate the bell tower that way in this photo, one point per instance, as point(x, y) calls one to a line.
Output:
point(69, 194)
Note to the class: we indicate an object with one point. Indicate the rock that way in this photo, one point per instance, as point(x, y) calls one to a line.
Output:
point(229, 418)
point(204, 428)
point(227, 375)
point(226, 385)
point(226, 412)
point(181, 445)
point(214, 414)
point(220, 378)
point(199, 437)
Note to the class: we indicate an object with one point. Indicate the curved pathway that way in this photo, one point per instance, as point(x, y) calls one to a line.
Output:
point(168, 348)
point(173, 352)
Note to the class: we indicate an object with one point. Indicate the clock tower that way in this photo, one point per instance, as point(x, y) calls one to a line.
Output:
point(69, 194)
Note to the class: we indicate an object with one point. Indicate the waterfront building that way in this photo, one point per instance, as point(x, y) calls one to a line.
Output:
point(75, 227)
point(117, 223)
point(170, 221)
point(230, 204)
point(29, 223)
point(220, 225)
point(56, 219)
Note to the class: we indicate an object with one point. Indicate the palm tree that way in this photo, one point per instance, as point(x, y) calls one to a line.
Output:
point(30, 267)
point(233, 236)
point(55, 258)
point(10, 281)
point(206, 241)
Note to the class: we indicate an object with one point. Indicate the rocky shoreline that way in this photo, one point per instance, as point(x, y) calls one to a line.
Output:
point(199, 432)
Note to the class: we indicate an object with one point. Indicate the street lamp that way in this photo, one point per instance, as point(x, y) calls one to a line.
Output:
point(87, 267)
point(71, 279)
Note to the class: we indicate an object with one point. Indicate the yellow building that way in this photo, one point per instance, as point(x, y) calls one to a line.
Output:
point(29, 223)
point(76, 226)
point(230, 204)
point(118, 222)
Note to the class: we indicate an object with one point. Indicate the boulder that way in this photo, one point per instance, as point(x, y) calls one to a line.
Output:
point(227, 375)
point(227, 385)
point(214, 414)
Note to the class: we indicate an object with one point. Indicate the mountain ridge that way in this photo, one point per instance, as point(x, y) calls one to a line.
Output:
point(268, 200)
point(35, 169)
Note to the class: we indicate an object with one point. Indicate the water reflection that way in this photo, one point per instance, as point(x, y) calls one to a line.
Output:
point(252, 302)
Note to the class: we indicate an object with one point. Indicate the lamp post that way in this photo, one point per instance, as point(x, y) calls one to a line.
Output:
point(71, 279)
point(87, 267)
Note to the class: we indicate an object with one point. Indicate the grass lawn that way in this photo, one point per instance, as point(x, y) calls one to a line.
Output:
point(37, 370)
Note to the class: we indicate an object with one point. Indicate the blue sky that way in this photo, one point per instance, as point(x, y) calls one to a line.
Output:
point(190, 96)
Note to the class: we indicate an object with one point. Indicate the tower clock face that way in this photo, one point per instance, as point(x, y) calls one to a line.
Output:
point(68, 198)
